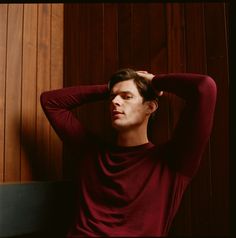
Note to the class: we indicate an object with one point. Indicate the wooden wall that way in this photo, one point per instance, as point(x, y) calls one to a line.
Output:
point(171, 37)
point(31, 61)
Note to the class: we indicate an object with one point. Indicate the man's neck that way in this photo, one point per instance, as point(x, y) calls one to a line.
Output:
point(132, 137)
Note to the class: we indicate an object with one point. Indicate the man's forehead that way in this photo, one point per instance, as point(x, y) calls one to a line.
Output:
point(125, 86)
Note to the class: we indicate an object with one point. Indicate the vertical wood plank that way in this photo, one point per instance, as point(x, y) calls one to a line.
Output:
point(56, 82)
point(96, 47)
point(195, 38)
point(158, 37)
point(217, 67)
point(3, 44)
point(140, 36)
point(29, 92)
point(83, 66)
point(13, 92)
point(72, 43)
point(176, 41)
point(110, 40)
point(43, 84)
point(125, 35)
point(67, 38)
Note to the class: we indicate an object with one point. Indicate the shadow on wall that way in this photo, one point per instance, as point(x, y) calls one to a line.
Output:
point(37, 161)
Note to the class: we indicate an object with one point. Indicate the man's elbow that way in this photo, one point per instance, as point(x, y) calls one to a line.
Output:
point(207, 86)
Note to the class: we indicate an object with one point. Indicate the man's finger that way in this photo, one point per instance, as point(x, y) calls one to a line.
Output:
point(144, 72)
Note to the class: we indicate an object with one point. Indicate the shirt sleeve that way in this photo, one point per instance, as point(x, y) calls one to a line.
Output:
point(58, 104)
point(193, 129)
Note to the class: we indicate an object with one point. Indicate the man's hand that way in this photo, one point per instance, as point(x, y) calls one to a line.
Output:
point(149, 78)
point(145, 75)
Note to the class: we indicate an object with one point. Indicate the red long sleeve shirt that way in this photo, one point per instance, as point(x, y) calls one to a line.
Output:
point(133, 191)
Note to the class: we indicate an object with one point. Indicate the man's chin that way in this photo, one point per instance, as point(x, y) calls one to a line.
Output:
point(119, 126)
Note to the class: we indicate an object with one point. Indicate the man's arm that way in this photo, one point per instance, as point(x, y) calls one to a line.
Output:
point(57, 106)
point(193, 129)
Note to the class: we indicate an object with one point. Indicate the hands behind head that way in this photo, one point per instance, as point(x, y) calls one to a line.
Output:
point(148, 77)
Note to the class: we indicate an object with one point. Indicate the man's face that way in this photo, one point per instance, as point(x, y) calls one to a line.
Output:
point(128, 111)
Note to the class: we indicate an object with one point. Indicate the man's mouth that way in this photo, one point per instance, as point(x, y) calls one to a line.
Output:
point(115, 113)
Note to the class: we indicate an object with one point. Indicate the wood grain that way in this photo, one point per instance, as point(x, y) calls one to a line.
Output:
point(13, 92)
point(28, 114)
point(3, 44)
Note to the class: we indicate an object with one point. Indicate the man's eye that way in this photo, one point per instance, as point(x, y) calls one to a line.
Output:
point(127, 96)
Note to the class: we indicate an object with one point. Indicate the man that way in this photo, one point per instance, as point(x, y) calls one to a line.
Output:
point(133, 188)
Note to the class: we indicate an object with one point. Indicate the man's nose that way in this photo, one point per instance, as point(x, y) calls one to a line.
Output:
point(116, 100)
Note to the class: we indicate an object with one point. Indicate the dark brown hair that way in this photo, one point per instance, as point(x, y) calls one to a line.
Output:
point(144, 87)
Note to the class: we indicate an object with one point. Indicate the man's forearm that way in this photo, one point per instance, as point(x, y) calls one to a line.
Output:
point(57, 105)
point(71, 97)
point(186, 85)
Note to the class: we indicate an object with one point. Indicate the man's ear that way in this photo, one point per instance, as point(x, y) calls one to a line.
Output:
point(152, 106)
